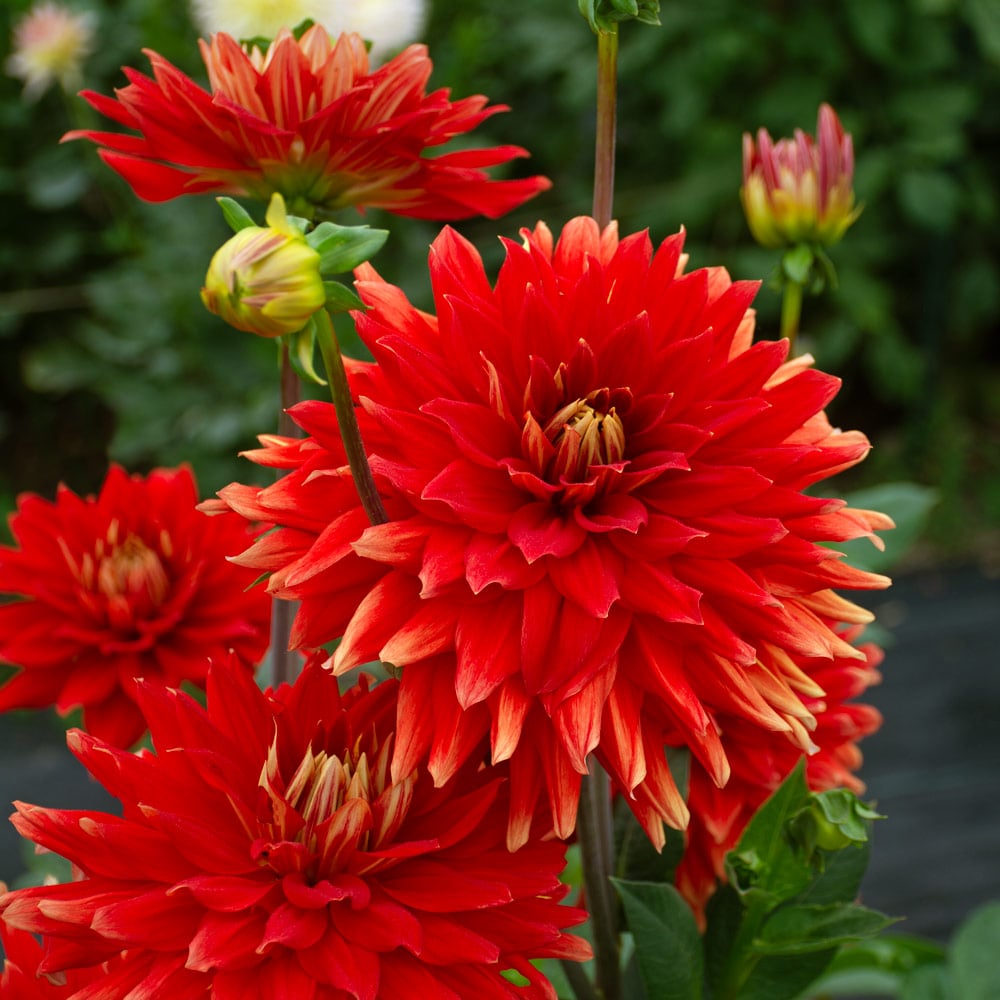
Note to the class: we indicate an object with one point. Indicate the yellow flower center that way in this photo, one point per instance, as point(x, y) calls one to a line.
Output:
point(130, 572)
point(330, 809)
point(586, 432)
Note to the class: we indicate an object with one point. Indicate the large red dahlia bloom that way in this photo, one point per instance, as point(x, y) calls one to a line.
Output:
point(265, 851)
point(306, 118)
point(760, 764)
point(132, 583)
point(599, 540)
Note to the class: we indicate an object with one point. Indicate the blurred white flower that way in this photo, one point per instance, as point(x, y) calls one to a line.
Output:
point(49, 45)
point(388, 24)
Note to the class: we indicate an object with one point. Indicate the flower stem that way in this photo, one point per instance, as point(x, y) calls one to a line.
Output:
point(596, 836)
point(791, 310)
point(284, 663)
point(350, 433)
point(604, 146)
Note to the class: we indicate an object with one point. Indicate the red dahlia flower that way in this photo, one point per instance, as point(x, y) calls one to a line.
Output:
point(132, 583)
point(599, 540)
point(720, 815)
point(266, 851)
point(307, 119)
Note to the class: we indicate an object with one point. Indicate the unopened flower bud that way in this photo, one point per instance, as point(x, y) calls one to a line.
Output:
point(265, 279)
point(799, 190)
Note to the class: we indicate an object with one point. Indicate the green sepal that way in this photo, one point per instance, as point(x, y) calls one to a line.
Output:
point(605, 15)
point(808, 265)
point(236, 216)
point(831, 821)
point(340, 298)
point(343, 248)
point(262, 42)
point(302, 352)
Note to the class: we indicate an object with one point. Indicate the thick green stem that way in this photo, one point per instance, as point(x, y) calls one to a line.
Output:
point(604, 146)
point(594, 825)
point(596, 836)
point(791, 311)
point(350, 433)
point(284, 663)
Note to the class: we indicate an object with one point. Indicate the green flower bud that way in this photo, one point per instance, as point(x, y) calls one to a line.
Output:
point(266, 279)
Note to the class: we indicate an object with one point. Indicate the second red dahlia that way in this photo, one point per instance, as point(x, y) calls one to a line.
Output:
point(134, 582)
point(266, 851)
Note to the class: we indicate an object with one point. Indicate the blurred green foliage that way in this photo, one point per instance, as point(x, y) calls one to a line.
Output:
point(106, 349)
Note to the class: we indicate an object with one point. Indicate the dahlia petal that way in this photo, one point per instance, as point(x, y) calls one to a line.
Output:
point(495, 560)
point(483, 499)
point(147, 914)
point(656, 590)
point(427, 632)
point(538, 531)
point(486, 641)
point(622, 720)
point(431, 886)
point(589, 578)
point(449, 942)
point(509, 710)
point(404, 978)
point(578, 719)
point(344, 966)
point(224, 894)
point(382, 926)
point(415, 727)
point(373, 624)
point(293, 927)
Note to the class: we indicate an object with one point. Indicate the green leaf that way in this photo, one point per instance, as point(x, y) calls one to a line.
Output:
point(781, 977)
point(235, 214)
point(666, 937)
point(795, 929)
point(343, 248)
point(929, 982)
point(765, 865)
point(877, 967)
point(974, 956)
point(340, 298)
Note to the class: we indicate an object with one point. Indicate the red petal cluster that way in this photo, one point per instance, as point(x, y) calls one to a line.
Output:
point(306, 118)
point(20, 979)
point(720, 815)
point(265, 851)
point(133, 583)
point(600, 540)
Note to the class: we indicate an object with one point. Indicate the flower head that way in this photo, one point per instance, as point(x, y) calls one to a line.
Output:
point(387, 24)
point(132, 583)
point(720, 815)
point(49, 45)
point(266, 850)
point(599, 538)
point(797, 190)
point(308, 119)
point(265, 280)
